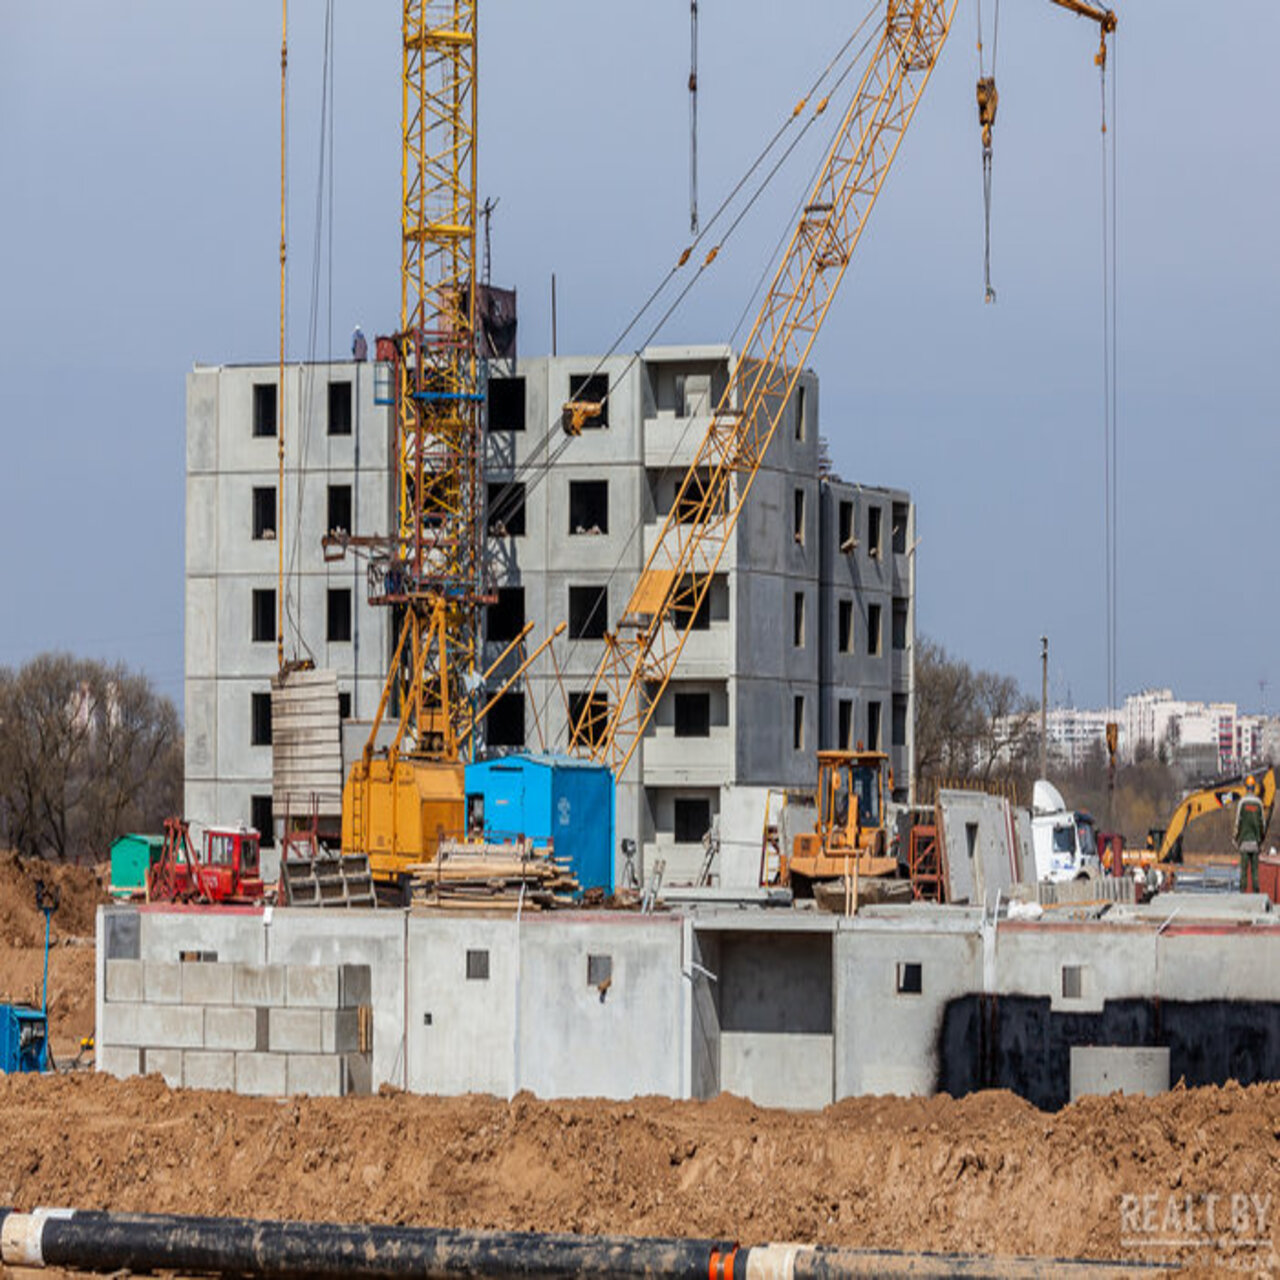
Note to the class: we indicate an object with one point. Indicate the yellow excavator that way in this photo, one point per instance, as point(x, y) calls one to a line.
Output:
point(1164, 844)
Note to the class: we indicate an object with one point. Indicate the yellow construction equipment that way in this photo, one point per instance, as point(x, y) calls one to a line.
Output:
point(642, 653)
point(854, 788)
point(1164, 844)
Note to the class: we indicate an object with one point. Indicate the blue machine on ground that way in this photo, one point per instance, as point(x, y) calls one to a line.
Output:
point(549, 799)
point(24, 1031)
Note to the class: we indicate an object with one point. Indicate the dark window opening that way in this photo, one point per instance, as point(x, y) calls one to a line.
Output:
point(264, 512)
point(264, 614)
point(873, 726)
point(844, 731)
point(797, 620)
point(588, 506)
point(591, 388)
point(260, 719)
point(847, 540)
point(693, 715)
point(599, 969)
point(588, 612)
point(477, 966)
point(262, 821)
point(339, 408)
point(873, 630)
point(800, 406)
point(797, 520)
point(504, 619)
point(682, 611)
point(1072, 981)
point(344, 705)
point(846, 626)
point(691, 506)
point(338, 620)
point(264, 408)
point(910, 978)
point(339, 508)
point(504, 725)
point(873, 532)
point(899, 623)
point(797, 723)
point(506, 509)
point(899, 719)
point(596, 718)
point(693, 820)
point(901, 513)
point(506, 404)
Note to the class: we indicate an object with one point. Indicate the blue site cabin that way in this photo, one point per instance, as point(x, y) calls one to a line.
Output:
point(550, 798)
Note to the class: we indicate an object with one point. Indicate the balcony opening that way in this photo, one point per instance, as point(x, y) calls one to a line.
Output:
point(504, 725)
point(339, 508)
point(693, 715)
point(874, 546)
point(339, 408)
point(588, 506)
point(588, 612)
point(873, 630)
point(901, 516)
point(506, 509)
point(504, 619)
point(264, 512)
point(506, 404)
point(264, 409)
point(591, 388)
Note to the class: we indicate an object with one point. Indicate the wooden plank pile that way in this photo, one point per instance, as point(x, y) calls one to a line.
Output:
point(473, 875)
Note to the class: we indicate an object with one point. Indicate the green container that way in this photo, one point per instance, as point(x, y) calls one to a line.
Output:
point(131, 856)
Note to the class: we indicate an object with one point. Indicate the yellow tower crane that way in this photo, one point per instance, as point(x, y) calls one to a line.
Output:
point(431, 570)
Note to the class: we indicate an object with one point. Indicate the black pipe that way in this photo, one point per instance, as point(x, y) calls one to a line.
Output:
point(94, 1241)
point(146, 1242)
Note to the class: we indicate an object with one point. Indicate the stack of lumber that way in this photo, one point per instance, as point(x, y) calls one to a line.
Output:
point(484, 876)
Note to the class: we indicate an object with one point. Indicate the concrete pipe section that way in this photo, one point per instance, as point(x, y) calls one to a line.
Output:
point(113, 1242)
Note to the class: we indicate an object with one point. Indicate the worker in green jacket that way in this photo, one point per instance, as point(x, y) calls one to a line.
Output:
point(1249, 830)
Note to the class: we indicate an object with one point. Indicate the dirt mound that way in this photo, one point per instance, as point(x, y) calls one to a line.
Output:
point(80, 890)
point(987, 1173)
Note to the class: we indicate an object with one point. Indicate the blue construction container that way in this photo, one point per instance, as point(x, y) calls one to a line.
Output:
point(23, 1038)
point(550, 799)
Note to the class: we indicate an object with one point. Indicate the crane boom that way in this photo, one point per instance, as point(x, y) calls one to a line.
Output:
point(640, 657)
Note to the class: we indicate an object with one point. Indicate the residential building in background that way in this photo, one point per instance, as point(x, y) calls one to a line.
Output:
point(805, 641)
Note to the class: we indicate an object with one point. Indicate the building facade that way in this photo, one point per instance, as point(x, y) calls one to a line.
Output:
point(805, 641)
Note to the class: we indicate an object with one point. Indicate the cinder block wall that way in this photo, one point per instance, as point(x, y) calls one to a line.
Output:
point(243, 1026)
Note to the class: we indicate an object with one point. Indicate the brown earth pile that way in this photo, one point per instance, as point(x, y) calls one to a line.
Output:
point(80, 891)
point(987, 1173)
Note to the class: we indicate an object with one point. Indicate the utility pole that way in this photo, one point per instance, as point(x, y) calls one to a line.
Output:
point(1044, 706)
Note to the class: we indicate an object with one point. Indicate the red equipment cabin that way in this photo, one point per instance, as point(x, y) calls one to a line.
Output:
point(228, 868)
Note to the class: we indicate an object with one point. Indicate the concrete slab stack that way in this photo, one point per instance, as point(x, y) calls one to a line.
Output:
point(266, 1029)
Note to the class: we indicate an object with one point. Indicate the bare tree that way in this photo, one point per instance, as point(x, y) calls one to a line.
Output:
point(88, 751)
point(969, 724)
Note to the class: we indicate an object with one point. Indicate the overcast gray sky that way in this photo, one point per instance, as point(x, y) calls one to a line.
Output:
point(138, 228)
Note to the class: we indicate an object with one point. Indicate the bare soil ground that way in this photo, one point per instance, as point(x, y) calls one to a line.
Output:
point(987, 1173)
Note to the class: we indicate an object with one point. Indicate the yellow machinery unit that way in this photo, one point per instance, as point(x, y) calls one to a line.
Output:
point(851, 839)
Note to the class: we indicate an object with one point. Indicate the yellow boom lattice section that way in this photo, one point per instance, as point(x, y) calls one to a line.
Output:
point(639, 659)
point(437, 571)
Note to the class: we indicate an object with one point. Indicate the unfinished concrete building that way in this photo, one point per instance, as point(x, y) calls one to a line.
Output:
point(806, 643)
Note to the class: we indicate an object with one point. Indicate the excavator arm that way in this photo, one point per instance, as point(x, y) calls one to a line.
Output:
point(1211, 800)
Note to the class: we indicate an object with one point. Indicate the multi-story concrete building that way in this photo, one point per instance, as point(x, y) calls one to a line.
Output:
point(806, 641)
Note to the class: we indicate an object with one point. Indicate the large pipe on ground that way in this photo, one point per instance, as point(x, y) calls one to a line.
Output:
point(88, 1240)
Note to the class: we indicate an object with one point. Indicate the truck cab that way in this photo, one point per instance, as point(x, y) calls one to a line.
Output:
point(229, 864)
point(1064, 840)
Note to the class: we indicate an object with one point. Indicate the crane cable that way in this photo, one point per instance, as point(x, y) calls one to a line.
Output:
point(507, 499)
point(988, 100)
point(693, 117)
point(1110, 404)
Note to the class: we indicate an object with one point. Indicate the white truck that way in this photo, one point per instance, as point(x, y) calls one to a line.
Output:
point(1063, 839)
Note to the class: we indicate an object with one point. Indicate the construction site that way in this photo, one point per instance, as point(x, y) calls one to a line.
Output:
point(558, 890)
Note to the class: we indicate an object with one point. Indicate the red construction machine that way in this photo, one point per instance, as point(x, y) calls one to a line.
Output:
point(227, 869)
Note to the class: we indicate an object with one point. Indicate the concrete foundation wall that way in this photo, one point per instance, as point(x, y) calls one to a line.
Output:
point(788, 1008)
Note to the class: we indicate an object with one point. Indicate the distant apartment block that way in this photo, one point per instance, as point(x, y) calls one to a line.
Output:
point(805, 640)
